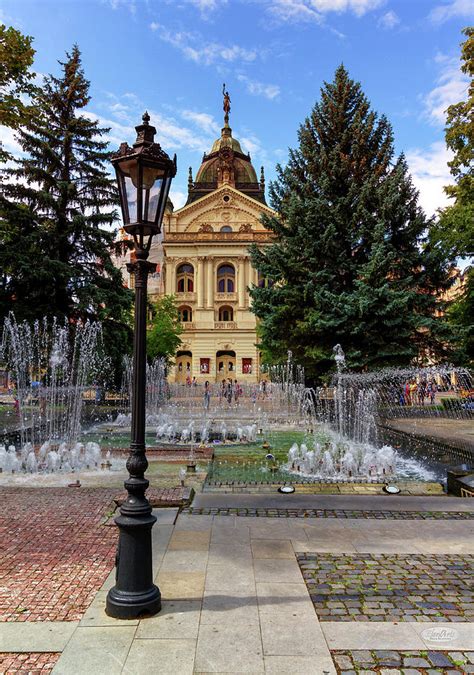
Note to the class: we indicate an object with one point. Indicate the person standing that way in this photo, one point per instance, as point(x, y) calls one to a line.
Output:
point(207, 394)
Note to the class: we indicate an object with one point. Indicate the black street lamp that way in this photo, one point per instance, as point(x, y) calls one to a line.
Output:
point(144, 174)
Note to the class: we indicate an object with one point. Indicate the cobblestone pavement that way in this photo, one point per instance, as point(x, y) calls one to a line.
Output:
point(390, 662)
point(54, 552)
point(331, 513)
point(33, 663)
point(388, 587)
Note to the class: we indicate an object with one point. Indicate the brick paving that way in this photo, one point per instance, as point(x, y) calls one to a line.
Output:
point(330, 513)
point(389, 587)
point(54, 552)
point(392, 662)
point(33, 663)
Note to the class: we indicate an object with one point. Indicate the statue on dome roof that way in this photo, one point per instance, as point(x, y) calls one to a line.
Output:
point(226, 105)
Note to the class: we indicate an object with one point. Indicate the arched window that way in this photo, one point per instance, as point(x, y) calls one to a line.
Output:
point(225, 279)
point(185, 314)
point(226, 228)
point(185, 278)
point(226, 313)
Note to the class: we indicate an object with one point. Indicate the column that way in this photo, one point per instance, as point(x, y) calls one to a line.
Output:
point(210, 282)
point(248, 280)
point(170, 276)
point(241, 282)
point(200, 282)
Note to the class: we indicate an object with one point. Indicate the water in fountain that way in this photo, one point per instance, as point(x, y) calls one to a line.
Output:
point(156, 391)
point(361, 402)
point(51, 365)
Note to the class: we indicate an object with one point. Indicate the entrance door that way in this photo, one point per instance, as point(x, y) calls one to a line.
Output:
point(225, 365)
point(184, 368)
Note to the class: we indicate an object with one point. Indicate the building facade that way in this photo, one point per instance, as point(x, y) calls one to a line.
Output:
point(203, 260)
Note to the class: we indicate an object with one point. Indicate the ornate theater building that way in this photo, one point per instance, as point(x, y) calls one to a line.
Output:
point(203, 260)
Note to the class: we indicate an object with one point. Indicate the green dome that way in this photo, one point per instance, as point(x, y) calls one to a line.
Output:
point(226, 141)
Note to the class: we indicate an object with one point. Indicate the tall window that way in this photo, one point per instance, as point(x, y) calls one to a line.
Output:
point(185, 314)
point(225, 279)
point(185, 278)
point(226, 314)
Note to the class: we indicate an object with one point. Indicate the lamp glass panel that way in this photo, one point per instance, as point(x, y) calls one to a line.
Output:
point(166, 189)
point(131, 193)
point(153, 199)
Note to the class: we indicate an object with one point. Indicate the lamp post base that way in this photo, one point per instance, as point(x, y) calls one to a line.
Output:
point(129, 605)
point(134, 593)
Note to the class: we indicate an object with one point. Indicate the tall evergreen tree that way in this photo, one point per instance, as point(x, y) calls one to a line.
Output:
point(350, 263)
point(57, 209)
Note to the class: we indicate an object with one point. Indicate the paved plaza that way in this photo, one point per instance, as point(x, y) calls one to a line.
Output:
point(360, 585)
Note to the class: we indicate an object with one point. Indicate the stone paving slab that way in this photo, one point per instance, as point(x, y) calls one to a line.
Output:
point(385, 635)
point(44, 636)
point(99, 650)
point(390, 587)
point(160, 657)
point(366, 635)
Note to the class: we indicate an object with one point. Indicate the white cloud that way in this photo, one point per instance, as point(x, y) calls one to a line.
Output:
point(452, 9)
point(314, 10)
point(451, 87)
point(430, 173)
point(358, 7)
point(256, 88)
point(128, 4)
point(178, 197)
point(389, 20)
point(123, 113)
point(196, 49)
point(202, 120)
point(207, 6)
point(9, 142)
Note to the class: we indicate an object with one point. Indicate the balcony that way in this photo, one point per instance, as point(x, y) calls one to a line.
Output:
point(222, 297)
point(185, 297)
point(225, 325)
point(188, 325)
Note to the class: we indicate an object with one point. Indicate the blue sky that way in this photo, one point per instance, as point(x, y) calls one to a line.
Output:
point(172, 56)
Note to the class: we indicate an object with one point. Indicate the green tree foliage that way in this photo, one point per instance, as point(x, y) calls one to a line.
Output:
point(350, 263)
point(57, 211)
point(163, 336)
point(16, 58)
point(454, 231)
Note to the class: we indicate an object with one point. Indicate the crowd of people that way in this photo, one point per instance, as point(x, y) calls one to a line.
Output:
point(230, 391)
point(416, 393)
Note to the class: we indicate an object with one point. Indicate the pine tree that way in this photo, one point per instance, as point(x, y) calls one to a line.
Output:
point(57, 209)
point(350, 263)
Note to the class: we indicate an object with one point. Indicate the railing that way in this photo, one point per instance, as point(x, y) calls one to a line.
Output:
point(225, 325)
point(221, 236)
point(219, 297)
point(188, 325)
point(190, 297)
